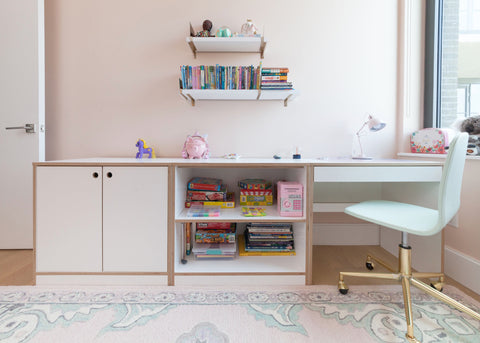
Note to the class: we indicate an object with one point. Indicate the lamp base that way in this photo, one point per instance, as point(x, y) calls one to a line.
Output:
point(362, 158)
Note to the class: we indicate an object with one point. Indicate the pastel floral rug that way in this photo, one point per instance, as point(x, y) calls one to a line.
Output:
point(261, 314)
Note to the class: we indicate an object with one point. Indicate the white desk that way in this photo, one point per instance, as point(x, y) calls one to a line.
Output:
point(109, 187)
point(339, 183)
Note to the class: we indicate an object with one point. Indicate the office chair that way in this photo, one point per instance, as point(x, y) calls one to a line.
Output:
point(416, 220)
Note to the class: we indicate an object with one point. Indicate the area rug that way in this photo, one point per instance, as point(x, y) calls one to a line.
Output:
point(248, 314)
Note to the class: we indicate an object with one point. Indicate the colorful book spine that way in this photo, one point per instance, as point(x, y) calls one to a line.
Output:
point(274, 78)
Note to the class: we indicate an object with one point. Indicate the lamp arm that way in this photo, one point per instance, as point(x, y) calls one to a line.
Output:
point(358, 132)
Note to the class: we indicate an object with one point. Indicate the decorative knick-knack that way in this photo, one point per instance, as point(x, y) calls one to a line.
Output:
point(248, 29)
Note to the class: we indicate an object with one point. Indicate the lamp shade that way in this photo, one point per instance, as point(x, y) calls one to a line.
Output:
point(375, 124)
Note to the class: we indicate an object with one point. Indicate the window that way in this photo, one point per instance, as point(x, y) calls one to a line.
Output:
point(452, 52)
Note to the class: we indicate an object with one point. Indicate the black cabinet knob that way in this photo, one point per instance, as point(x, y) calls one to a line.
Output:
point(95, 175)
point(109, 174)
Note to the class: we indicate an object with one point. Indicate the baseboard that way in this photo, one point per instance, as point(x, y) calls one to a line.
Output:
point(346, 234)
point(462, 268)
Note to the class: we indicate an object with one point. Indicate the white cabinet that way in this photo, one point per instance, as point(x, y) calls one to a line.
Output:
point(135, 219)
point(101, 219)
point(69, 219)
point(242, 270)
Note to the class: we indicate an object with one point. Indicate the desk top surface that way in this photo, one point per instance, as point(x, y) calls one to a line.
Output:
point(253, 162)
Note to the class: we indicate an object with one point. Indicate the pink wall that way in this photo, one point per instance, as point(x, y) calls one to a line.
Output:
point(113, 67)
point(466, 238)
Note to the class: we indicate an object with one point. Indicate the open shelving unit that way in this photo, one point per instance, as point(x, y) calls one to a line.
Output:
point(227, 44)
point(242, 269)
point(194, 95)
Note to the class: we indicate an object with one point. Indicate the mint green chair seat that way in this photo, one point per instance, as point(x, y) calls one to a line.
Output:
point(417, 220)
point(398, 216)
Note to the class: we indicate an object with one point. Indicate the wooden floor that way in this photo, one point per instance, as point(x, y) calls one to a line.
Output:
point(16, 266)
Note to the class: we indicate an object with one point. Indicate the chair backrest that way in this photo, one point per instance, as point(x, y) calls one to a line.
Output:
point(451, 182)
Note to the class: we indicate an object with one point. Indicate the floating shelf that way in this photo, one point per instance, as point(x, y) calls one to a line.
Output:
point(227, 44)
point(237, 94)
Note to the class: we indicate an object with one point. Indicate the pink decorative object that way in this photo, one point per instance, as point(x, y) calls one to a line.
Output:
point(290, 199)
point(195, 146)
point(430, 141)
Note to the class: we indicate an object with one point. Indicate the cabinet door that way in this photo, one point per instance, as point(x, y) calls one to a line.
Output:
point(135, 219)
point(68, 219)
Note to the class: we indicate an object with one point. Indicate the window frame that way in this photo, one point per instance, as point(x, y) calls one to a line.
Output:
point(433, 63)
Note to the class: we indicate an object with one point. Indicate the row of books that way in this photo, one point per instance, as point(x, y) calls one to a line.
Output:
point(218, 240)
point(267, 239)
point(220, 77)
point(275, 79)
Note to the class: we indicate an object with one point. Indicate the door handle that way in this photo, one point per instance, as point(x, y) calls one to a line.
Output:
point(29, 128)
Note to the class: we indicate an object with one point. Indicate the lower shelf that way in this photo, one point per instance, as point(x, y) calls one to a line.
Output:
point(194, 95)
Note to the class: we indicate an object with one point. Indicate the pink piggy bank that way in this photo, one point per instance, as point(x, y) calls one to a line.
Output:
point(195, 146)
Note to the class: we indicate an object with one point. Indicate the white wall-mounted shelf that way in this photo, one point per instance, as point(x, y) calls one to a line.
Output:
point(193, 95)
point(227, 44)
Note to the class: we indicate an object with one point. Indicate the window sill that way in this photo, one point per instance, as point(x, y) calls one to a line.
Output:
point(432, 156)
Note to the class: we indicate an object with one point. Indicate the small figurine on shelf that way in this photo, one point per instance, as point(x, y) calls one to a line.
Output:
point(143, 148)
point(195, 146)
point(224, 31)
point(248, 29)
point(207, 28)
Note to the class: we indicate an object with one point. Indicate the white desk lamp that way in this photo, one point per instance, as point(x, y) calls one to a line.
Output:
point(373, 124)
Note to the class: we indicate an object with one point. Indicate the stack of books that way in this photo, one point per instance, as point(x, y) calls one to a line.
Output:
point(215, 241)
point(219, 77)
point(267, 239)
point(208, 192)
point(275, 78)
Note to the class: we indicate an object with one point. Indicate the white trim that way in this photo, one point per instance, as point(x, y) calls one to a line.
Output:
point(346, 234)
point(462, 268)
point(239, 280)
point(41, 79)
point(125, 280)
point(433, 156)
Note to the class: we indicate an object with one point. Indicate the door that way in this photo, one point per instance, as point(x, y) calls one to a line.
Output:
point(135, 202)
point(69, 219)
point(22, 94)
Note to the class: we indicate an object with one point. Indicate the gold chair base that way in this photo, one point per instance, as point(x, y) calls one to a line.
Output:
point(407, 278)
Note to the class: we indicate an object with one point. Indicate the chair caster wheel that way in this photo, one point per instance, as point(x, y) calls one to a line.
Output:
point(438, 286)
point(369, 265)
point(342, 287)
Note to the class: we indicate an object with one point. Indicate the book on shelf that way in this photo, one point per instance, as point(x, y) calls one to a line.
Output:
point(274, 77)
point(243, 252)
point(269, 70)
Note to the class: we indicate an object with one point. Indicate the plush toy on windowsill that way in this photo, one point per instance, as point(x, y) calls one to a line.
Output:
point(470, 125)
